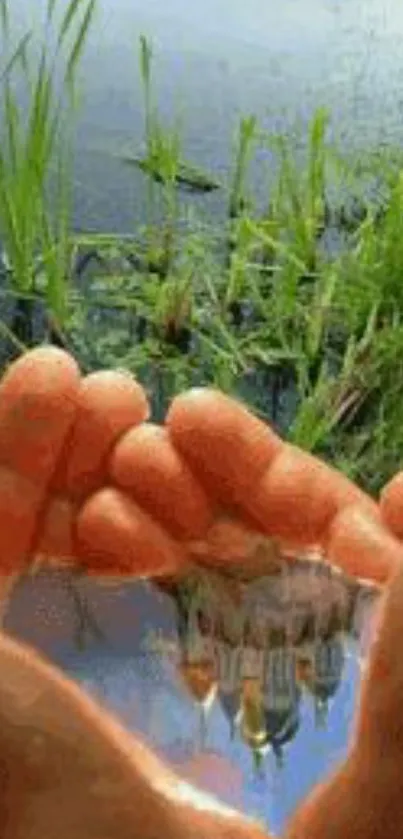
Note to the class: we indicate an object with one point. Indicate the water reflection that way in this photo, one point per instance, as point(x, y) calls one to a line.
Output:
point(215, 62)
point(260, 649)
point(236, 682)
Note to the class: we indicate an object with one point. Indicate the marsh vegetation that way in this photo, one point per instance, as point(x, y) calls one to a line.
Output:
point(296, 309)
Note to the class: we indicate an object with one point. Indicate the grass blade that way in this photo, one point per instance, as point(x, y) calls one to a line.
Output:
point(51, 10)
point(4, 17)
point(19, 55)
point(79, 42)
point(69, 16)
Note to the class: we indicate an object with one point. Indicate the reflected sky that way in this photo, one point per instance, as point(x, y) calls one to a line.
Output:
point(143, 688)
point(159, 707)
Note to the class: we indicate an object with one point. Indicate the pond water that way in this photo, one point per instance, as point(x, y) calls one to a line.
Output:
point(214, 62)
point(226, 60)
point(220, 60)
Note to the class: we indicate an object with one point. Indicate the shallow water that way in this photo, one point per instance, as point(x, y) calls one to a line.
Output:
point(217, 61)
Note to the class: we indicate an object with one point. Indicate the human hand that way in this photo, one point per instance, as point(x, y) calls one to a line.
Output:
point(66, 768)
point(166, 489)
point(84, 477)
point(56, 432)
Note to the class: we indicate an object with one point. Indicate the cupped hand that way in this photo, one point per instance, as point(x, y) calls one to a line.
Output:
point(56, 432)
point(84, 478)
point(66, 766)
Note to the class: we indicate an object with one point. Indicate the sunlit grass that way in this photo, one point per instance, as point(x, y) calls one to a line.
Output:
point(257, 303)
point(37, 103)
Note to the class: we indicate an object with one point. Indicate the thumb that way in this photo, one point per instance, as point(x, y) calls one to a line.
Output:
point(67, 768)
point(379, 730)
point(363, 798)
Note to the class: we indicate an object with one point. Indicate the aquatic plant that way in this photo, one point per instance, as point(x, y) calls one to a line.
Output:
point(256, 303)
point(37, 101)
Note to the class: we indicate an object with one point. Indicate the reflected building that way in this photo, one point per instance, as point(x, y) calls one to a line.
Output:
point(259, 646)
point(270, 691)
point(228, 651)
point(281, 692)
point(196, 662)
point(286, 735)
point(320, 657)
point(320, 671)
point(252, 722)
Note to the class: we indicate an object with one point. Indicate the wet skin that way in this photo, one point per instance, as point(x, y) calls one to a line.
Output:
point(85, 478)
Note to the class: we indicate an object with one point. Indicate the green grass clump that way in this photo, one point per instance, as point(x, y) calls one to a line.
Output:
point(37, 101)
point(260, 303)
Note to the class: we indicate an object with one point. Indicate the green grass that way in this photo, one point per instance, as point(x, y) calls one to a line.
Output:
point(256, 304)
point(35, 155)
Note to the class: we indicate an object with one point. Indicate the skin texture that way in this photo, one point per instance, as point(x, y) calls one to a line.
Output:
point(85, 478)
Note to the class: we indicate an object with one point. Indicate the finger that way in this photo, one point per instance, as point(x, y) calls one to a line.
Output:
point(362, 546)
point(299, 495)
point(57, 773)
point(363, 797)
point(147, 466)
point(391, 505)
point(38, 401)
point(336, 809)
point(227, 447)
point(379, 732)
point(287, 493)
point(109, 403)
point(114, 537)
point(55, 543)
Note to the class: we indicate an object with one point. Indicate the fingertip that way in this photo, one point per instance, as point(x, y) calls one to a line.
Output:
point(38, 403)
point(109, 403)
point(117, 389)
point(45, 370)
point(361, 546)
point(46, 354)
point(226, 445)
